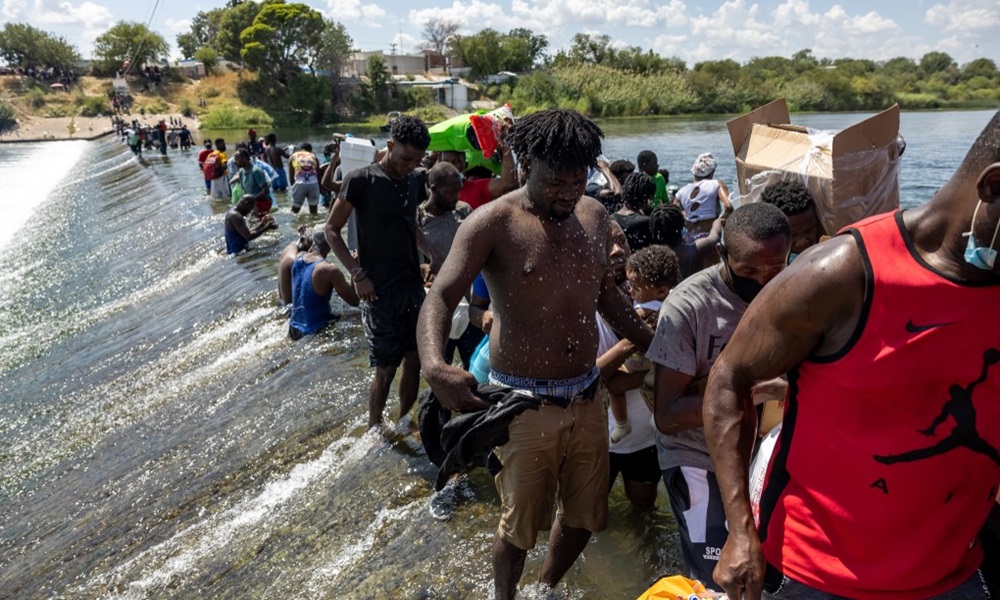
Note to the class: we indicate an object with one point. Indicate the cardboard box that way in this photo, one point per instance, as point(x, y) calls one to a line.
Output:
point(852, 173)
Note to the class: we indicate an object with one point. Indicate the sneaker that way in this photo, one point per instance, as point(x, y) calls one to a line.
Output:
point(620, 431)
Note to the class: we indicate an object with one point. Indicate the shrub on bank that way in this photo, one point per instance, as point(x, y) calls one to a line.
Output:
point(430, 113)
point(228, 117)
point(94, 106)
point(603, 92)
point(35, 98)
point(157, 106)
point(7, 116)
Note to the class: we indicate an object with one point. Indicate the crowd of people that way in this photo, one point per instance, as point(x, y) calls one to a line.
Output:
point(158, 136)
point(633, 328)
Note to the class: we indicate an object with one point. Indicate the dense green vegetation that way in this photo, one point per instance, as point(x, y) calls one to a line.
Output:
point(127, 43)
point(289, 59)
point(296, 53)
point(227, 117)
point(595, 78)
point(22, 45)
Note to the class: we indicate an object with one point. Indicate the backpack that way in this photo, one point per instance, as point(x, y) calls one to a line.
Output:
point(212, 169)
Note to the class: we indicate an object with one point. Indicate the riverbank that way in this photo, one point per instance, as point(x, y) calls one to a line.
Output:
point(49, 129)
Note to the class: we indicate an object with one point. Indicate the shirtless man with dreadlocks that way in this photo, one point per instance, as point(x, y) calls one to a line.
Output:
point(543, 250)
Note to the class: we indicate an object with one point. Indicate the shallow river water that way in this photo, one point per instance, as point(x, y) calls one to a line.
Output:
point(161, 437)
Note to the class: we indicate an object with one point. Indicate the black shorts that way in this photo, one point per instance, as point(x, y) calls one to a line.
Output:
point(391, 326)
point(641, 465)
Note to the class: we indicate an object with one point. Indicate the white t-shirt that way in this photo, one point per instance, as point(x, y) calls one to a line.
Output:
point(639, 417)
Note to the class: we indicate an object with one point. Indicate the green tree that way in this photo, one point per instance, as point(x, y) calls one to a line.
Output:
point(379, 79)
point(283, 39)
point(207, 56)
point(771, 68)
point(727, 69)
point(855, 67)
point(234, 20)
point(535, 45)
point(480, 52)
point(22, 45)
point(334, 49)
point(980, 67)
point(901, 65)
point(127, 41)
point(204, 30)
point(803, 61)
point(936, 62)
point(591, 48)
point(490, 51)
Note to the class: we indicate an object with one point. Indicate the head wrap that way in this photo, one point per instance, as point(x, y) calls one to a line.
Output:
point(704, 166)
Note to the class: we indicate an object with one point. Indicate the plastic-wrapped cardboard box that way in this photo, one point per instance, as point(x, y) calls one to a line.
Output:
point(852, 173)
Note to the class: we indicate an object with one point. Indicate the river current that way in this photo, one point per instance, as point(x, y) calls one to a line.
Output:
point(161, 437)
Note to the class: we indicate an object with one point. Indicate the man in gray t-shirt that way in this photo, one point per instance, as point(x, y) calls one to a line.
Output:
point(694, 324)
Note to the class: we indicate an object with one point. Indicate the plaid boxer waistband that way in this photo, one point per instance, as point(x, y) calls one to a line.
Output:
point(556, 391)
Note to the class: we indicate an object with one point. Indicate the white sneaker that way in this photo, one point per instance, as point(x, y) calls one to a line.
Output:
point(620, 431)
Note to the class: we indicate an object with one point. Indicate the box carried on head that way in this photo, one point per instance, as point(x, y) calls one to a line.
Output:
point(852, 173)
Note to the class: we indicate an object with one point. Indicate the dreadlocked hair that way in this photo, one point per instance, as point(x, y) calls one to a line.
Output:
point(665, 225)
point(637, 191)
point(410, 131)
point(565, 139)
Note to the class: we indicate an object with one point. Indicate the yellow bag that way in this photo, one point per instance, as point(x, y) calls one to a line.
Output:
point(677, 587)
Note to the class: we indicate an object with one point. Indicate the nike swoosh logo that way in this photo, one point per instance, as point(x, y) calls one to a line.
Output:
point(913, 328)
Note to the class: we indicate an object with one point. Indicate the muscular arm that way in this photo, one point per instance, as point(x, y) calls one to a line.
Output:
point(811, 308)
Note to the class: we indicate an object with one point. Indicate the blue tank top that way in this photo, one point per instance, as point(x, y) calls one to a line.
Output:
point(310, 311)
point(235, 243)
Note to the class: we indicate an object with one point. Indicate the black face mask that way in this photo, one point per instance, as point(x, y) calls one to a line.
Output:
point(746, 288)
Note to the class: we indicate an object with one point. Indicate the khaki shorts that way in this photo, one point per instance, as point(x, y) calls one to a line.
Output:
point(552, 450)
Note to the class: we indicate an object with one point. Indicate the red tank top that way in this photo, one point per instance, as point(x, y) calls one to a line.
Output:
point(888, 464)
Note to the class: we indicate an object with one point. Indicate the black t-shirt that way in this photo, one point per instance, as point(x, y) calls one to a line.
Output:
point(636, 227)
point(386, 212)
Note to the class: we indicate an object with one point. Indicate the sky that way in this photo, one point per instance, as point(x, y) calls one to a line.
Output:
point(692, 31)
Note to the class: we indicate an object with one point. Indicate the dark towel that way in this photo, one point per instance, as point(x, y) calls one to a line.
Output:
point(460, 443)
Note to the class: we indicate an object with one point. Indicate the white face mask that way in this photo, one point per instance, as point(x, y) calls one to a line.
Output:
point(981, 257)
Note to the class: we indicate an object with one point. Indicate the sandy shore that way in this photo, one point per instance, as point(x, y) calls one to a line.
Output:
point(36, 129)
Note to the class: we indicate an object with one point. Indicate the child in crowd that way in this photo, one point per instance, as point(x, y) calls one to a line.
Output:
point(652, 272)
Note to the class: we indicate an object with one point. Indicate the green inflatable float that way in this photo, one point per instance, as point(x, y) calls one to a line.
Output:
point(475, 134)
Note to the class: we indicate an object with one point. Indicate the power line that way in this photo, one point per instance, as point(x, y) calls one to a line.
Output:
point(138, 49)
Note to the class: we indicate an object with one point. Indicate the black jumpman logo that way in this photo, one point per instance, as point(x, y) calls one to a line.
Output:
point(959, 407)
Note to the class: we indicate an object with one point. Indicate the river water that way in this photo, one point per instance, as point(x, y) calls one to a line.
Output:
point(160, 436)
